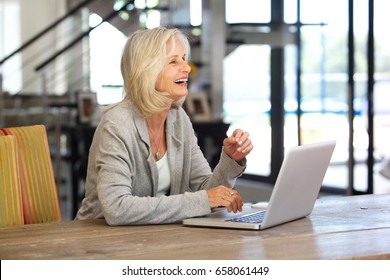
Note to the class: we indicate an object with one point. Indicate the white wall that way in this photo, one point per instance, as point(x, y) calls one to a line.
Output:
point(36, 16)
point(21, 20)
point(10, 40)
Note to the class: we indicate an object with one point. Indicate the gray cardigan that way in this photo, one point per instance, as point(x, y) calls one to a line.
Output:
point(122, 175)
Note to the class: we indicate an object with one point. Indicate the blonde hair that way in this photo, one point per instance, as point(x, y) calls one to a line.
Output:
point(144, 57)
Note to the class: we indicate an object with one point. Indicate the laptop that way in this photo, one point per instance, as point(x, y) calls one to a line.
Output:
point(293, 197)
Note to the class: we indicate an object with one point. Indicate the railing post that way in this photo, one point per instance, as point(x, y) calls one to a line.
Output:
point(2, 103)
point(53, 118)
point(45, 97)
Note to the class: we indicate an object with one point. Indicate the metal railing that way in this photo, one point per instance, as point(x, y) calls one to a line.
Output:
point(36, 70)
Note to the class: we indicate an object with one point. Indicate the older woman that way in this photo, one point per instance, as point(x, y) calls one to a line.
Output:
point(145, 166)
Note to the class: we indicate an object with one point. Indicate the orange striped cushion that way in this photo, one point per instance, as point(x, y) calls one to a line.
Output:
point(11, 212)
point(39, 193)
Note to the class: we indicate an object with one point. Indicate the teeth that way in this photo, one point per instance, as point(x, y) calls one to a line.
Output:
point(181, 81)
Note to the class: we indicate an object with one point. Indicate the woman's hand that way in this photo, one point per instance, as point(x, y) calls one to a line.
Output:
point(223, 196)
point(238, 145)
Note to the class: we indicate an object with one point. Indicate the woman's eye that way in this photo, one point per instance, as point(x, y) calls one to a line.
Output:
point(172, 62)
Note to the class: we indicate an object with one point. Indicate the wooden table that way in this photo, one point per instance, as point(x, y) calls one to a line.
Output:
point(355, 227)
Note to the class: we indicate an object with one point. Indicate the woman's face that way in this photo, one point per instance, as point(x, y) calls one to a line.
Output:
point(174, 77)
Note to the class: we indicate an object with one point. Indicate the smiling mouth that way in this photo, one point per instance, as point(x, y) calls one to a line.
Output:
point(181, 81)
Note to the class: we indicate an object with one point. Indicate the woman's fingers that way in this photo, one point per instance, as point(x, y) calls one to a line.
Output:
point(223, 196)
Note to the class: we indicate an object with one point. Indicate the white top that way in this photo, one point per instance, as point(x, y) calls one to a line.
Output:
point(164, 178)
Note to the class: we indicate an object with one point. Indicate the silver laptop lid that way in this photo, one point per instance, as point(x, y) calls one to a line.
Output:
point(294, 194)
point(298, 183)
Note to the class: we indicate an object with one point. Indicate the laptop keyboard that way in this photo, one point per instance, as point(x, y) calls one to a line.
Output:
point(253, 218)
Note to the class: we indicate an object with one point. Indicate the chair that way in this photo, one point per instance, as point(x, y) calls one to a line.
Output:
point(11, 212)
point(39, 193)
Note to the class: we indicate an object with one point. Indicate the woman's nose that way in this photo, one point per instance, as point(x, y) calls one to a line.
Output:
point(186, 67)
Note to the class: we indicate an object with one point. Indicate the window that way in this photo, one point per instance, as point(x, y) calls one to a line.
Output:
point(323, 86)
point(106, 44)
